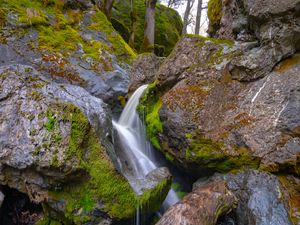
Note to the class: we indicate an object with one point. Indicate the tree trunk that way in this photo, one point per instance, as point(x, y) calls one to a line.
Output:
point(198, 17)
point(133, 25)
point(170, 3)
point(108, 4)
point(187, 12)
point(148, 44)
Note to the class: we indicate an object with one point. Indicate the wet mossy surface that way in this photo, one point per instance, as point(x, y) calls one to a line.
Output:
point(168, 24)
point(148, 108)
point(103, 188)
point(151, 200)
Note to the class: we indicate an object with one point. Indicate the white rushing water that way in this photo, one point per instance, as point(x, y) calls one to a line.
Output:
point(137, 151)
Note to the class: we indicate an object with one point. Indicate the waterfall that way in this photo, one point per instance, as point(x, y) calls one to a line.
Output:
point(137, 154)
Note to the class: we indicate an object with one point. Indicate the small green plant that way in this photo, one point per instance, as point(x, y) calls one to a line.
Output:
point(49, 125)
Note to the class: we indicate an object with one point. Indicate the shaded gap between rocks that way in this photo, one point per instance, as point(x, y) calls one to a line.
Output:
point(17, 209)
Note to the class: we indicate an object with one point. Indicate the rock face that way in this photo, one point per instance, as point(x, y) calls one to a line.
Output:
point(262, 200)
point(275, 25)
point(45, 138)
point(73, 44)
point(143, 70)
point(227, 124)
point(222, 105)
point(203, 206)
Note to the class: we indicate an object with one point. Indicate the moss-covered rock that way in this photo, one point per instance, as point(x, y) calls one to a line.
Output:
point(168, 24)
point(71, 44)
point(209, 156)
point(65, 152)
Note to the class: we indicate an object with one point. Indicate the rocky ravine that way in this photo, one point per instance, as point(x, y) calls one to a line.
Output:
point(221, 105)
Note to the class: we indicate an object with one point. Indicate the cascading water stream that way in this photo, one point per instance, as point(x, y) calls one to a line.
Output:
point(137, 152)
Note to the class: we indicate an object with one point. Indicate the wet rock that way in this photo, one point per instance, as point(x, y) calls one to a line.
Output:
point(143, 70)
point(262, 200)
point(203, 206)
point(153, 189)
point(153, 179)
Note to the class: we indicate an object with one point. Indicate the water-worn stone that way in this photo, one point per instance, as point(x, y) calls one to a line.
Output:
point(262, 200)
point(203, 206)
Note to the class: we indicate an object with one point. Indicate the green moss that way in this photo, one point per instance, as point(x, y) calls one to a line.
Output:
point(49, 125)
point(212, 156)
point(55, 162)
point(28, 12)
point(63, 40)
point(37, 150)
point(63, 33)
point(168, 23)
point(148, 108)
point(79, 129)
point(214, 13)
point(119, 46)
point(151, 199)
point(177, 188)
point(47, 221)
point(213, 40)
point(169, 157)
point(104, 183)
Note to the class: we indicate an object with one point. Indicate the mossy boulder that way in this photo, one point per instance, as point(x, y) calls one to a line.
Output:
point(56, 139)
point(68, 43)
point(204, 120)
point(168, 24)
